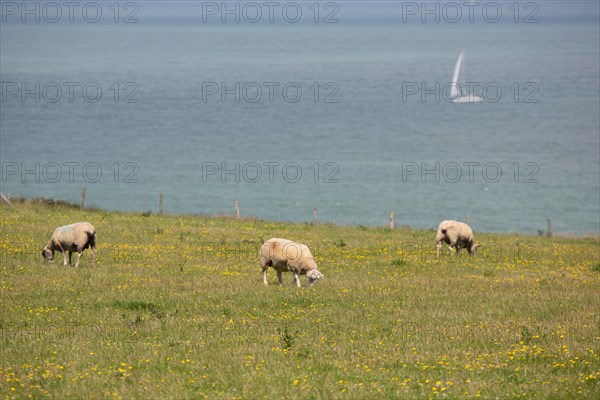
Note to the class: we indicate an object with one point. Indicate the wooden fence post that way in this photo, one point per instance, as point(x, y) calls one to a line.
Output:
point(315, 216)
point(6, 200)
point(391, 219)
point(82, 204)
point(160, 205)
point(549, 231)
point(468, 220)
point(237, 210)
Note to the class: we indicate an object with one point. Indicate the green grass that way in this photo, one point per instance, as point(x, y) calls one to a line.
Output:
point(174, 308)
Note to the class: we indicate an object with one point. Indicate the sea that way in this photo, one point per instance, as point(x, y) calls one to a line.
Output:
point(290, 108)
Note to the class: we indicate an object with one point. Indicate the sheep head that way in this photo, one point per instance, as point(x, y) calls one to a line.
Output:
point(47, 253)
point(473, 248)
point(313, 276)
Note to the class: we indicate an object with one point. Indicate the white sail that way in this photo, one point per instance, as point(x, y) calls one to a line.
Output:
point(455, 96)
point(454, 83)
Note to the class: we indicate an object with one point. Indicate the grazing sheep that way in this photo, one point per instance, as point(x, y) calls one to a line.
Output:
point(457, 235)
point(285, 255)
point(75, 237)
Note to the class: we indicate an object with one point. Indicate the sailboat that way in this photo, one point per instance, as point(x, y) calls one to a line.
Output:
point(456, 97)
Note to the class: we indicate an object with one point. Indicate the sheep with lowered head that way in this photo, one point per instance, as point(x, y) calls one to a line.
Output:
point(75, 237)
point(285, 255)
point(456, 234)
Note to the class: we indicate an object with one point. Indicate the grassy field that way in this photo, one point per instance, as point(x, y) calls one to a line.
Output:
point(174, 308)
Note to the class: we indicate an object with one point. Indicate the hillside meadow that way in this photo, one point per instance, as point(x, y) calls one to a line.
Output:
point(174, 308)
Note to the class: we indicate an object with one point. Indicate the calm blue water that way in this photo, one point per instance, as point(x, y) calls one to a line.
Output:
point(364, 144)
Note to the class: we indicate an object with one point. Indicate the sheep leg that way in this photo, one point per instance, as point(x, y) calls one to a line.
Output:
point(280, 277)
point(264, 274)
point(78, 258)
point(65, 258)
point(93, 247)
point(296, 279)
point(457, 250)
point(70, 258)
point(450, 250)
point(438, 246)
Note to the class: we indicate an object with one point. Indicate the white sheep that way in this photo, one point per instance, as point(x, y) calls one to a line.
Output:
point(75, 237)
point(285, 255)
point(456, 234)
